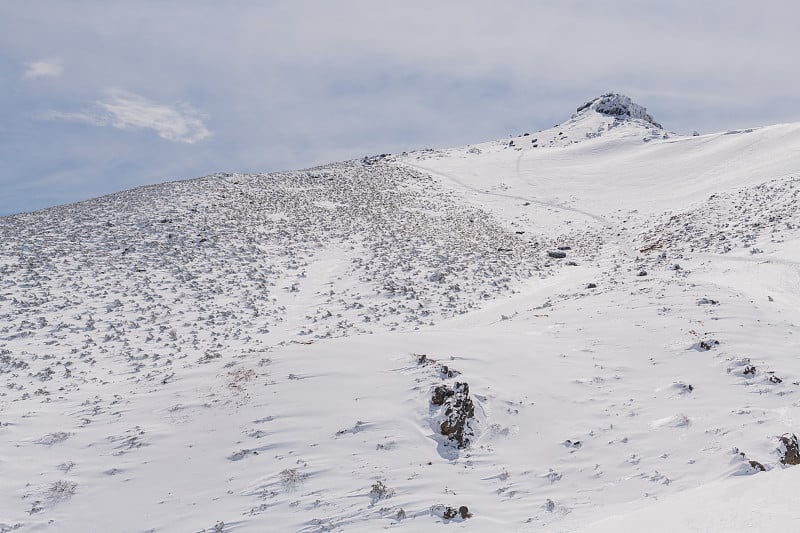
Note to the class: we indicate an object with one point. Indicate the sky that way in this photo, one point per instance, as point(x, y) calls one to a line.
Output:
point(102, 96)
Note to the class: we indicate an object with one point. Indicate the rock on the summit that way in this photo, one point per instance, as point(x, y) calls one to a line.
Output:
point(618, 106)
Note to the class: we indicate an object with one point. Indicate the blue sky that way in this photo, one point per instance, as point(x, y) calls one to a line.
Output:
point(103, 96)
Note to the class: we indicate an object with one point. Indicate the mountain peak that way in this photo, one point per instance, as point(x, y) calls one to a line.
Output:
point(618, 106)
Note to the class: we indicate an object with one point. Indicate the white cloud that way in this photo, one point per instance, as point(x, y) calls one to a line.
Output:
point(128, 111)
point(45, 68)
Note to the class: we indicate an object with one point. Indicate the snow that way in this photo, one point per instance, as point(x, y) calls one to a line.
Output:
point(763, 503)
point(245, 352)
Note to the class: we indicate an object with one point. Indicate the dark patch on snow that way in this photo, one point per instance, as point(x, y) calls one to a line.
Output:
point(789, 449)
point(459, 410)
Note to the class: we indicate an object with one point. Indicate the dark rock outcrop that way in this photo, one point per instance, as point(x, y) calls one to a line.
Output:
point(459, 410)
point(789, 449)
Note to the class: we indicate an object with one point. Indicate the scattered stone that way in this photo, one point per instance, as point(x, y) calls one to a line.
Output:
point(749, 370)
point(452, 512)
point(447, 372)
point(707, 344)
point(750, 466)
point(591, 286)
point(556, 254)
point(642, 273)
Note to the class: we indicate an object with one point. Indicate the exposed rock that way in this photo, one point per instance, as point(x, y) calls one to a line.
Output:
point(707, 344)
point(749, 466)
point(451, 512)
point(789, 449)
point(557, 254)
point(458, 411)
point(445, 371)
point(618, 106)
point(440, 394)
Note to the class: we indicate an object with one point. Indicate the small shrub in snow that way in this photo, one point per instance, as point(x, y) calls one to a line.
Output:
point(61, 490)
point(380, 491)
point(291, 477)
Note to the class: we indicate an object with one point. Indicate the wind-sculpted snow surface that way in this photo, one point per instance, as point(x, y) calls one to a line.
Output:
point(511, 336)
point(104, 300)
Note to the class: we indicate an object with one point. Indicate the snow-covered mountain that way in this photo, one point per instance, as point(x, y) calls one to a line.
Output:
point(587, 328)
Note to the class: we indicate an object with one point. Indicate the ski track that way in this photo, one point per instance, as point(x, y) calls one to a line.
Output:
point(603, 221)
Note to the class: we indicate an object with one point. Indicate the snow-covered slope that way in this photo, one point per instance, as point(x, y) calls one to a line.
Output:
point(588, 328)
point(595, 165)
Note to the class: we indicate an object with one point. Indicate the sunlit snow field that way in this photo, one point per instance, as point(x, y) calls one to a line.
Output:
point(263, 352)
